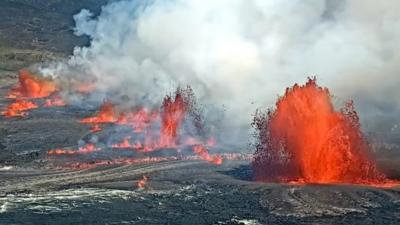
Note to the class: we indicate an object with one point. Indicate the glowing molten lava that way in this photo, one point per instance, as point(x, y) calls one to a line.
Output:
point(30, 86)
point(19, 108)
point(173, 112)
point(306, 140)
point(54, 101)
point(95, 128)
point(125, 144)
point(139, 120)
point(87, 149)
point(107, 114)
point(202, 152)
point(142, 182)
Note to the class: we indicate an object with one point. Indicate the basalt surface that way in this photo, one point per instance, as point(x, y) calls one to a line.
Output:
point(35, 191)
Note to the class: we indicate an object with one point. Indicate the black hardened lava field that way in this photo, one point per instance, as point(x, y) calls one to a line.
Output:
point(199, 112)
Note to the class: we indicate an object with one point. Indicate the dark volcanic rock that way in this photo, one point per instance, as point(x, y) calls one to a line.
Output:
point(42, 25)
point(184, 192)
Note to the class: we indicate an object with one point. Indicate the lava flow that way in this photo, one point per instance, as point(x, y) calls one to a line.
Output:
point(30, 86)
point(202, 152)
point(139, 120)
point(125, 144)
point(306, 140)
point(107, 114)
point(19, 108)
point(87, 149)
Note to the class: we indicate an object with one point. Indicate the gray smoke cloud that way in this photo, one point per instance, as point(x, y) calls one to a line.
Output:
point(240, 54)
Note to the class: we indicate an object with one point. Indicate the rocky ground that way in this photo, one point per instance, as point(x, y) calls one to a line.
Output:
point(177, 192)
point(184, 192)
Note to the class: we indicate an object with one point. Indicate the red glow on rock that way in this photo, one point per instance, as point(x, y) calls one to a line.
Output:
point(306, 140)
point(54, 101)
point(87, 149)
point(95, 128)
point(125, 144)
point(211, 142)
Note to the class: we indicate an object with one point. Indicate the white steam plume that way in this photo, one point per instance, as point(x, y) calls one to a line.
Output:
point(243, 53)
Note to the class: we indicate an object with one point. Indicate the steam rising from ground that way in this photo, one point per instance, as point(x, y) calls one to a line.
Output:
point(239, 54)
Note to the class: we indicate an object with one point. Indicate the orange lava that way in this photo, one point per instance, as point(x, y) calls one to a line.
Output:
point(107, 114)
point(130, 161)
point(87, 149)
point(125, 144)
point(173, 112)
point(139, 120)
point(30, 86)
point(305, 139)
point(142, 182)
point(85, 88)
point(19, 108)
point(147, 146)
point(202, 152)
point(54, 101)
point(95, 128)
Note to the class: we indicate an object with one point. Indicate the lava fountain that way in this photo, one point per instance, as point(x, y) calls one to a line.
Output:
point(31, 86)
point(304, 139)
point(172, 115)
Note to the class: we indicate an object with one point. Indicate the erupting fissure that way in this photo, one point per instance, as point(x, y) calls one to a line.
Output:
point(30, 86)
point(153, 130)
point(304, 139)
point(173, 112)
point(28, 89)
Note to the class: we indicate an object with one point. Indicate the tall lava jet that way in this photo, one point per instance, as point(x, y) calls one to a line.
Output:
point(304, 139)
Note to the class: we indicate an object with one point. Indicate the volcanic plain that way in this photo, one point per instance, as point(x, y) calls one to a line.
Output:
point(35, 189)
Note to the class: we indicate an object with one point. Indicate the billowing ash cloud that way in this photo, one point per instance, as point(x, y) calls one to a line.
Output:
point(240, 54)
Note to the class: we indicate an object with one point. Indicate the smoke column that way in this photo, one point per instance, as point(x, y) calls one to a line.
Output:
point(239, 54)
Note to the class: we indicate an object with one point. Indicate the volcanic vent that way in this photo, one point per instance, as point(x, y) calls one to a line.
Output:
point(304, 139)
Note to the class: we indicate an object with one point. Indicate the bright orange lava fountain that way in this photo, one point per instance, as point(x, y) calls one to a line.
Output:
point(306, 140)
point(30, 86)
point(173, 113)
